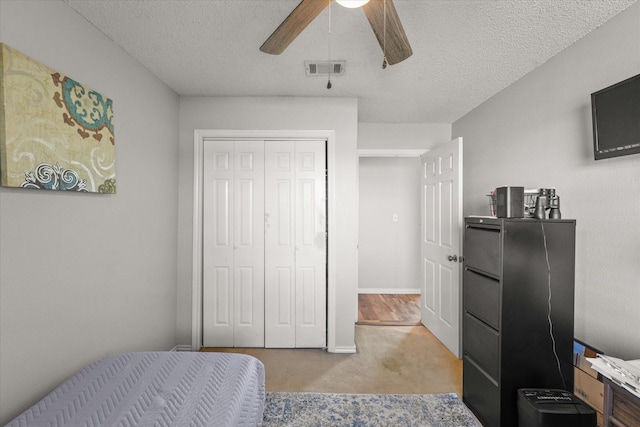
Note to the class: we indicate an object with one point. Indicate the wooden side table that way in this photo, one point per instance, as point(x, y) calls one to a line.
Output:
point(621, 408)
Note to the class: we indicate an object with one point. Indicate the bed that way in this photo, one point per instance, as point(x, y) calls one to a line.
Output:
point(156, 389)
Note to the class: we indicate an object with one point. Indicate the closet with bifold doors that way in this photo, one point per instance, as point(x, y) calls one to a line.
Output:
point(264, 243)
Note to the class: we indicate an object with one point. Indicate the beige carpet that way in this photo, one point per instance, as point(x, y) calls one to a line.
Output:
point(389, 359)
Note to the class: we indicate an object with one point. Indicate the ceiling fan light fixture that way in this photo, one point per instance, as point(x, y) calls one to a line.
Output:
point(352, 4)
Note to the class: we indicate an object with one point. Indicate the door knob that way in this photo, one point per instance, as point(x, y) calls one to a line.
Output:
point(452, 258)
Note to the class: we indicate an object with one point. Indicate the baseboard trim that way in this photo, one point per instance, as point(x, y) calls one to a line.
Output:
point(389, 291)
point(181, 347)
point(345, 350)
point(388, 323)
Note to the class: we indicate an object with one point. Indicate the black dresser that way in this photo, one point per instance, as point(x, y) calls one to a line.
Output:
point(513, 268)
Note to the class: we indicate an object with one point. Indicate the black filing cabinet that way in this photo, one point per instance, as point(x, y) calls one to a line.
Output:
point(514, 270)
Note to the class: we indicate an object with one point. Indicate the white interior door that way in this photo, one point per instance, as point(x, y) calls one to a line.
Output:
point(441, 237)
point(311, 244)
point(295, 244)
point(249, 244)
point(280, 277)
point(233, 244)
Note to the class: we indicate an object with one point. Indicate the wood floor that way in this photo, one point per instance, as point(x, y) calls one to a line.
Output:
point(389, 309)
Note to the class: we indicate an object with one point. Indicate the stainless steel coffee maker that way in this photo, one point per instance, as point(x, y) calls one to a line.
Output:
point(547, 200)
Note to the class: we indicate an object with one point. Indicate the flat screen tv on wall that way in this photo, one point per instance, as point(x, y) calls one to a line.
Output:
point(615, 112)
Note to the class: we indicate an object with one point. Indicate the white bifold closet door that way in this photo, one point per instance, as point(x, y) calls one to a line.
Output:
point(295, 244)
point(233, 244)
point(264, 244)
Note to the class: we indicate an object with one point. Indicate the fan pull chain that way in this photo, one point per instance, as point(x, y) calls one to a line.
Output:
point(329, 37)
point(384, 34)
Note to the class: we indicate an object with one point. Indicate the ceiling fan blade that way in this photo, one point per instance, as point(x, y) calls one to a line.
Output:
point(392, 39)
point(293, 25)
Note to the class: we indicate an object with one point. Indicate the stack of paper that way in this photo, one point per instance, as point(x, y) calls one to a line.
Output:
point(625, 373)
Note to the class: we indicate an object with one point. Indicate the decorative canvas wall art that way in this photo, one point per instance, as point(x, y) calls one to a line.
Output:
point(55, 133)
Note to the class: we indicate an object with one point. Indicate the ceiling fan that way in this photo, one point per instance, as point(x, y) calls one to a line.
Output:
point(382, 17)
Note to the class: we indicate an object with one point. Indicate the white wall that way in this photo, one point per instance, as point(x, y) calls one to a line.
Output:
point(537, 133)
point(276, 113)
point(83, 276)
point(388, 250)
point(402, 135)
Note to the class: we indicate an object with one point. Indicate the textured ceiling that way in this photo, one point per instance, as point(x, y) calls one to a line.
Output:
point(464, 51)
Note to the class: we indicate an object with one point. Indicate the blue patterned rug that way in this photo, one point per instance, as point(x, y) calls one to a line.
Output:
point(365, 410)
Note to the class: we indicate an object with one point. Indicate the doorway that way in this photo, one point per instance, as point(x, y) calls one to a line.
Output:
point(439, 235)
point(389, 237)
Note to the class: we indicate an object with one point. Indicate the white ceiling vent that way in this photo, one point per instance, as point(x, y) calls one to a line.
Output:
point(322, 68)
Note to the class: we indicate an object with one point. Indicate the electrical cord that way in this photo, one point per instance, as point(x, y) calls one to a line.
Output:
point(553, 339)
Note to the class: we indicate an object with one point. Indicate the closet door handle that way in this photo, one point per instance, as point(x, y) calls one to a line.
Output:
point(453, 258)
